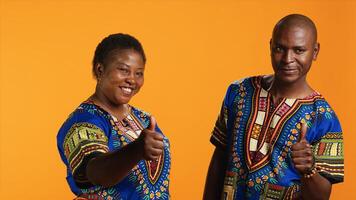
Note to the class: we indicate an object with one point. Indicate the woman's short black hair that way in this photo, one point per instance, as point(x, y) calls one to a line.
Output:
point(113, 42)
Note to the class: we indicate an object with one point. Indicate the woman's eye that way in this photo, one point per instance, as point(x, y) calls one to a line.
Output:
point(278, 49)
point(124, 70)
point(139, 74)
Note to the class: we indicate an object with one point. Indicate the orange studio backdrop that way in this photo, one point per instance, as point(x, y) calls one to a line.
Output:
point(195, 49)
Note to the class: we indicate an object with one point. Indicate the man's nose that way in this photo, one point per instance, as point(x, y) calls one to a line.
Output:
point(288, 56)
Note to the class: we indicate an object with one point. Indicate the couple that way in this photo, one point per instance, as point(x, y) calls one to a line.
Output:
point(275, 137)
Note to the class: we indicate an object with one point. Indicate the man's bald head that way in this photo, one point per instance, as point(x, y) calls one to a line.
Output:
point(293, 48)
point(296, 20)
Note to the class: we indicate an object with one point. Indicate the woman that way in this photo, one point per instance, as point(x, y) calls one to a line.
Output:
point(113, 150)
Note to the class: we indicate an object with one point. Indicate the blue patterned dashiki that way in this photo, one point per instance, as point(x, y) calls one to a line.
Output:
point(90, 131)
point(258, 136)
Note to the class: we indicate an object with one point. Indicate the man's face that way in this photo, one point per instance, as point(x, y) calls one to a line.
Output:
point(293, 50)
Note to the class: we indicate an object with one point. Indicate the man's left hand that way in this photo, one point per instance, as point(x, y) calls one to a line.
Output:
point(302, 156)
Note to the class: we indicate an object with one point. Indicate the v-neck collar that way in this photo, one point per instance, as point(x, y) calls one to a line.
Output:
point(259, 84)
point(264, 129)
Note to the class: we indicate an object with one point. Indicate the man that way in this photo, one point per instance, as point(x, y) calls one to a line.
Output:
point(276, 137)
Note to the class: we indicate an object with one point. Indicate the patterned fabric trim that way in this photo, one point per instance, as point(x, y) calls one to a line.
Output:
point(265, 125)
point(149, 177)
point(81, 140)
point(329, 157)
point(277, 192)
point(101, 195)
point(219, 137)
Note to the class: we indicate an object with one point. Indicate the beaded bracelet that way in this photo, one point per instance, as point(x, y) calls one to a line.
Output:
point(312, 171)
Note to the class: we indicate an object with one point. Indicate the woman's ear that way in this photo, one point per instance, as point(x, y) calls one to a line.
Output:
point(99, 69)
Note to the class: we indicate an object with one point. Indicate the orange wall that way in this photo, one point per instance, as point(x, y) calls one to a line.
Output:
point(194, 48)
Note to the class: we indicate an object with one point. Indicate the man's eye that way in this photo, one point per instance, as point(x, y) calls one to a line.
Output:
point(299, 51)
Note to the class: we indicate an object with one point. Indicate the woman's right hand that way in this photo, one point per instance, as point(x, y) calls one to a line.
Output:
point(151, 142)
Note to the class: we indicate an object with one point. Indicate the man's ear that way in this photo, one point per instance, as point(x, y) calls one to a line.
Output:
point(316, 50)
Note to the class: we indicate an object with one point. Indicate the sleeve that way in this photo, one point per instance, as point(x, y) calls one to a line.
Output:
point(219, 135)
point(84, 140)
point(328, 150)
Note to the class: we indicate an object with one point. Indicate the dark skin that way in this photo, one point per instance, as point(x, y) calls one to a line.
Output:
point(293, 49)
point(119, 79)
point(216, 173)
point(316, 187)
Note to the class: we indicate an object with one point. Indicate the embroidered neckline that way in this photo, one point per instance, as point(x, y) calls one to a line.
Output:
point(264, 129)
point(258, 83)
point(127, 116)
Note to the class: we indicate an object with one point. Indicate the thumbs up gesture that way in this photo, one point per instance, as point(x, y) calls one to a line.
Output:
point(302, 156)
point(151, 142)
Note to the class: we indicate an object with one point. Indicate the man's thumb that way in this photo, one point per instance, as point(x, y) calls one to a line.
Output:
point(303, 132)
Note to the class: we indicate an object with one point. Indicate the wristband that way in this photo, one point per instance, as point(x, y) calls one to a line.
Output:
point(312, 171)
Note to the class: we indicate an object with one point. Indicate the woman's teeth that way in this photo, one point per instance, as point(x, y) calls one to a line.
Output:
point(127, 90)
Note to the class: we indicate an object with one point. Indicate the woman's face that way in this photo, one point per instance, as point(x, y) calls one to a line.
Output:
point(121, 77)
